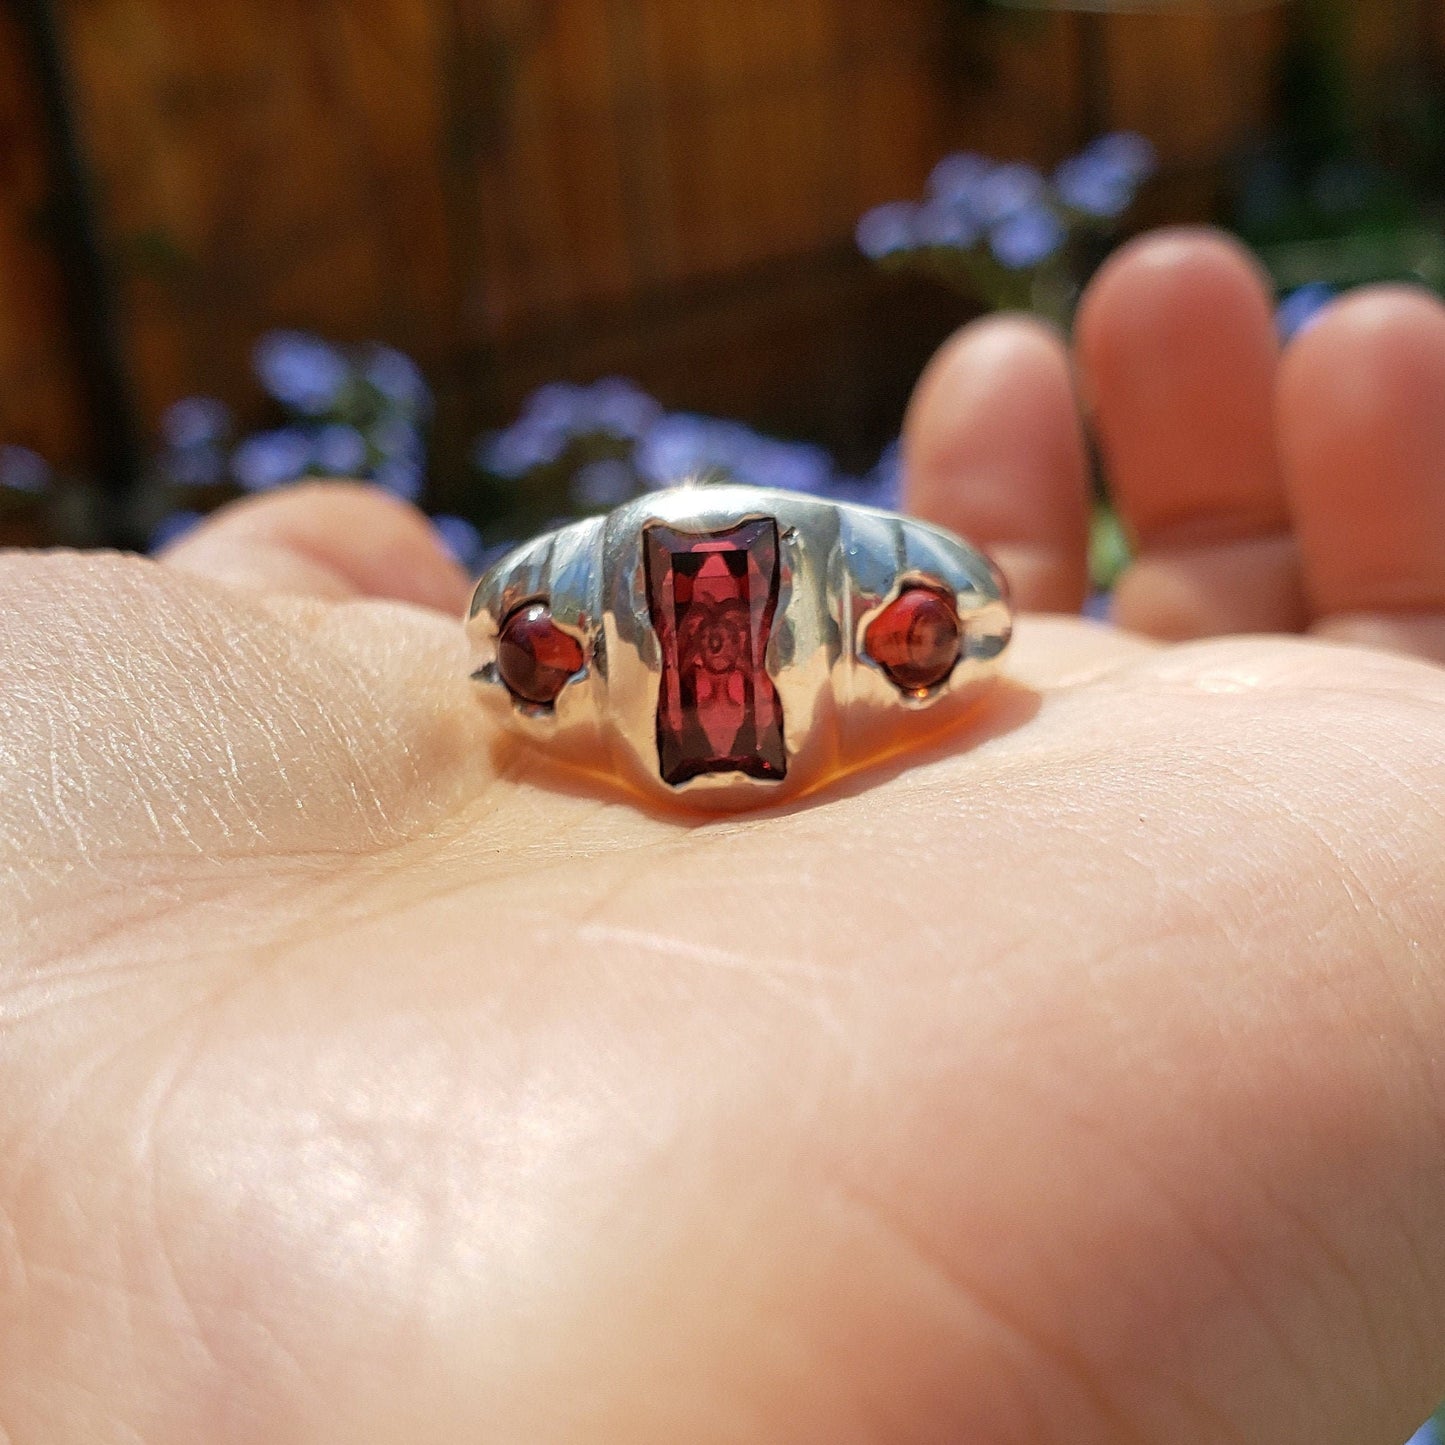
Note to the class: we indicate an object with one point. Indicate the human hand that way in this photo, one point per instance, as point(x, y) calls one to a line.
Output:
point(362, 1080)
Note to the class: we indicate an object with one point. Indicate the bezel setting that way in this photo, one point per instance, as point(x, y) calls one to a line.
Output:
point(535, 615)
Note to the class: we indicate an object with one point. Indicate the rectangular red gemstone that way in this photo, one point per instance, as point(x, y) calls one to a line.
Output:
point(712, 597)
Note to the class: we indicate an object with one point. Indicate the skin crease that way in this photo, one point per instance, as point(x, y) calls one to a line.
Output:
point(1077, 1078)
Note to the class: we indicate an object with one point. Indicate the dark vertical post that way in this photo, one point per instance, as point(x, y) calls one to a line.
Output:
point(90, 298)
point(1093, 74)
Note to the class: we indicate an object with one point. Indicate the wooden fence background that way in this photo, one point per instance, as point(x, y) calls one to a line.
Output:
point(519, 189)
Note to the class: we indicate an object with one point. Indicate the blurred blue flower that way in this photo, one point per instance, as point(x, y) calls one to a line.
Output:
point(793, 466)
point(887, 230)
point(880, 486)
point(301, 371)
point(402, 477)
point(271, 459)
point(734, 448)
point(1089, 184)
point(956, 179)
point(844, 487)
point(683, 445)
point(460, 538)
point(22, 470)
point(1105, 177)
point(520, 448)
point(172, 528)
point(1008, 190)
point(1127, 153)
point(1427, 1434)
point(668, 448)
point(196, 421)
point(339, 451)
point(619, 407)
point(884, 481)
point(398, 378)
point(603, 483)
point(1302, 308)
point(947, 223)
point(678, 446)
point(976, 207)
point(737, 450)
point(555, 414)
point(560, 406)
point(196, 466)
point(1027, 238)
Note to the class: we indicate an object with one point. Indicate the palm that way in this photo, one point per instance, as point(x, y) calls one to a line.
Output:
point(366, 1083)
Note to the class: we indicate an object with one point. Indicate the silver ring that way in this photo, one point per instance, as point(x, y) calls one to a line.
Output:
point(728, 647)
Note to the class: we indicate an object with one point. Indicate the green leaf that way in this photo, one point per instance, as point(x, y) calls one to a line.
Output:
point(1109, 552)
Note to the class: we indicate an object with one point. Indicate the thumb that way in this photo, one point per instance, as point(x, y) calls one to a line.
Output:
point(330, 540)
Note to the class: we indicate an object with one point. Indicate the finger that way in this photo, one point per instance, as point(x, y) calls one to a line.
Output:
point(1362, 431)
point(332, 540)
point(1178, 357)
point(994, 450)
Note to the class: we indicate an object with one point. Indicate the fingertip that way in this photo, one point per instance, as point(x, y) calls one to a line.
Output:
point(1168, 249)
point(1008, 340)
point(1371, 359)
point(1361, 415)
point(331, 540)
point(1191, 268)
point(1177, 355)
point(1399, 328)
point(994, 450)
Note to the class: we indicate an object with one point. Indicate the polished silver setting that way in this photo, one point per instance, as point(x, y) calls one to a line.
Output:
point(840, 565)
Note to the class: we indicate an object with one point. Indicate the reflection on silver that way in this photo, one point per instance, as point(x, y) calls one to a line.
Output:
point(840, 565)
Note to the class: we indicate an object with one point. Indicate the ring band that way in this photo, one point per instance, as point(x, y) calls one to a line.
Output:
point(728, 647)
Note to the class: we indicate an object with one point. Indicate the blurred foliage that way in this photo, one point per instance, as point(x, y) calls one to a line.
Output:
point(1347, 190)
